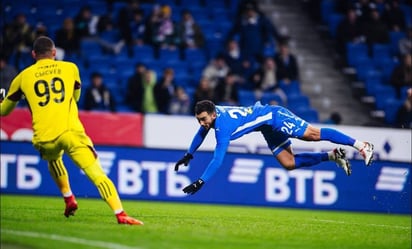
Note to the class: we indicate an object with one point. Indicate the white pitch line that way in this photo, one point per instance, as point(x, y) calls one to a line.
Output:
point(363, 224)
point(74, 240)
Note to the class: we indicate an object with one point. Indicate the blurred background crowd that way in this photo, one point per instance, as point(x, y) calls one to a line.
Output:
point(164, 56)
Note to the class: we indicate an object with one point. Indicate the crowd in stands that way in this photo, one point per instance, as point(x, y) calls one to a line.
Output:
point(374, 37)
point(163, 56)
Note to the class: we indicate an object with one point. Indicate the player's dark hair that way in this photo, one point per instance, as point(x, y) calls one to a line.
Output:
point(43, 45)
point(204, 106)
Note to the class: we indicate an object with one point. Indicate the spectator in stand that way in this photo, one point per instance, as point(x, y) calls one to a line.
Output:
point(254, 33)
point(134, 92)
point(7, 73)
point(98, 96)
point(287, 65)
point(203, 92)
point(245, 4)
point(164, 91)
point(402, 74)
point(90, 26)
point(126, 23)
point(190, 33)
point(18, 37)
point(404, 114)
point(226, 91)
point(363, 10)
point(138, 28)
point(375, 30)
point(335, 118)
point(149, 100)
point(235, 60)
point(67, 38)
point(85, 22)
point(215, 70)
point(394, 17)
point(264, 80)
point(348, 30)
point(405, 44)
point(180, 102)
point(164, 30)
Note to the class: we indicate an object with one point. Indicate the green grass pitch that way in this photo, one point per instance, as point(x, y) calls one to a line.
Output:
point(38, 222)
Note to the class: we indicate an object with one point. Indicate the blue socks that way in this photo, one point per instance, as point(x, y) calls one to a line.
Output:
point(336, 137)
point(310, 159)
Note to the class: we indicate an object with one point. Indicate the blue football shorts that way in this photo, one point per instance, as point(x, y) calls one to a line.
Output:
point(285, 125)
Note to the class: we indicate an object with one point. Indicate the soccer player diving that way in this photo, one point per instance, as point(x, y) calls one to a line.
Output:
point(277, 125)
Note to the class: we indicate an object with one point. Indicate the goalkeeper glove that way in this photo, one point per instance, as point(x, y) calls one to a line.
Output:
point(194, 187)
point(185, 160)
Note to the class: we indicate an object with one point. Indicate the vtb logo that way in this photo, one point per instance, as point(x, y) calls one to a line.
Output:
point(245, 170)
point(392, 179)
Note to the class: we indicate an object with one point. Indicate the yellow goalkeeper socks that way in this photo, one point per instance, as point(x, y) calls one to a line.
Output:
point(59, 174)
point(105, 186)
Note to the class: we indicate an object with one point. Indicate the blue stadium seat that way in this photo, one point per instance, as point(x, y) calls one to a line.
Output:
point(267, 98)
point(89, 48)
point(381, 50)
point(391, 108)
point(388, 69)
point(364, 67)
point(407, 10)
point(308, 114)
point(219, 4)
point(189, 3)
point(246, 98)
point(333, 21)
point(291, 88)
point(395, 36)
point(144, 52)
point(383, 93)
point(182, 79)
point(296, 102)
point(371, 84)
point(354, 51)
point(169, 55)
point(220, 14)
point(327, 7)
point(193, 55)
point(100, 63)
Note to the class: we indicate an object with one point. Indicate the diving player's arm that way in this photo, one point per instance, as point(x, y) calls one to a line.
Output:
point(12, 98)
point(211, 169)
point(218, 156)
point(197, 140)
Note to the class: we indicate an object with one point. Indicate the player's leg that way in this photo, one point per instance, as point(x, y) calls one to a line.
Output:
point(317, 134)
point(84, 156)
point(292, 125)
point(59, 173)
point(281, 147)
point(51, 152)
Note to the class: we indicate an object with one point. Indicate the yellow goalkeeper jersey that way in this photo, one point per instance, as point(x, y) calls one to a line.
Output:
point(51, 89)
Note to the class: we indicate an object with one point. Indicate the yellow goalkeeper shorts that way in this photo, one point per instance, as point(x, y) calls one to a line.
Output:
point(77, 145)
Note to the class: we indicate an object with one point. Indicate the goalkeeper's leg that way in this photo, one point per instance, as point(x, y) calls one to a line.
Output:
point(61, 178)
point(109, 193)
point(81, 151)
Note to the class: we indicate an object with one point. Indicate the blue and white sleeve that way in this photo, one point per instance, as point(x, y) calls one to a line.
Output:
point(198, 140)
point(217, 160)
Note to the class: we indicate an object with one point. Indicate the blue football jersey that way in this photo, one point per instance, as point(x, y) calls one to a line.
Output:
point(233, 122)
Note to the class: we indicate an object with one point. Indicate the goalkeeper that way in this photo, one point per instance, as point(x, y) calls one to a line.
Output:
point(52, 89)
